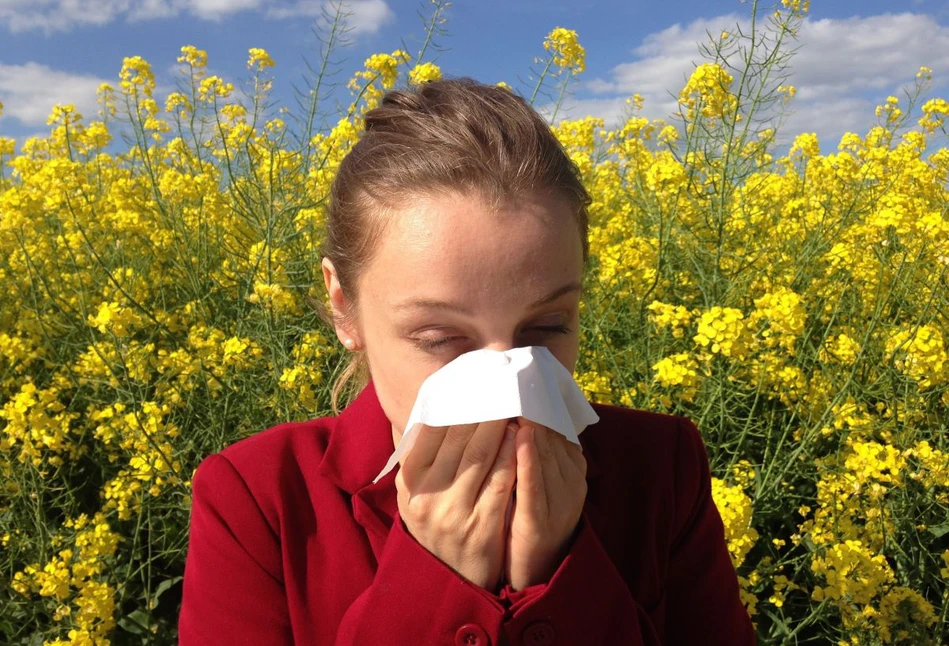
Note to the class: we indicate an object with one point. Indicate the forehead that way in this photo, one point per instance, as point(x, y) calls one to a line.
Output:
point(459, 244)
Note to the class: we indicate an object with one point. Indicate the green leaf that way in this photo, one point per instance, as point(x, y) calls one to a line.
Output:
point(939, 530)
point(163, 586)
point(135, 622)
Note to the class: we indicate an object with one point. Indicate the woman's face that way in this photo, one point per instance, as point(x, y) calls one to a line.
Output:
point(449, 276)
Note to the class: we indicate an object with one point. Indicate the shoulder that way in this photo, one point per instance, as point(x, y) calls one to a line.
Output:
point(280, 445)
point(656, 455)
point(630, 433)
point(259, 467)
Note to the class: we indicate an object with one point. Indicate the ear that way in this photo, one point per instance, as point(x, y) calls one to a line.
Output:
point(340, 303)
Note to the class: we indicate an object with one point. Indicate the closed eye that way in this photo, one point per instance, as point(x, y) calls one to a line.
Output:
point(433, 343)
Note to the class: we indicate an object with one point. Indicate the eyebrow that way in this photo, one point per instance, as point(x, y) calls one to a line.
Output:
point(429, 303)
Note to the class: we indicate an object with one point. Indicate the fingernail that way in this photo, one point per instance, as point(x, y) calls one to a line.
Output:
point(512, 427)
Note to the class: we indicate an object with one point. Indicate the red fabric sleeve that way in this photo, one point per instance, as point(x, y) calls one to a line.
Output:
point(702, 601)
point(415, 598)
point(585, 602)
point(230, 596)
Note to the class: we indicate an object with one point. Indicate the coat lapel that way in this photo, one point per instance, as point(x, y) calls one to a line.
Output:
point(359, 446)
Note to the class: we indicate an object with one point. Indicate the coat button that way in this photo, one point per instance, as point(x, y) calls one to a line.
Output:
point(471, 635)
point(539, 633)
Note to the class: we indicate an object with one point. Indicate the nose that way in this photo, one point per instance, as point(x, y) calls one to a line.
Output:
point(502, 346)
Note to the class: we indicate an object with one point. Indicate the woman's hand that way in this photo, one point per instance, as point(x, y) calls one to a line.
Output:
point(550, 491)
point(453, 487)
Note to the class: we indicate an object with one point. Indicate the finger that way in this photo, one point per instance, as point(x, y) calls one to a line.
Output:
point(547, 449)
point(422, 454)
point(531, 493)
point(480, 454)
point(497, 487)
point(567, 453)
point(445, 466)
point(578, 457)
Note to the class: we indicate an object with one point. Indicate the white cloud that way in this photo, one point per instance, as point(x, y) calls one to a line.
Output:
point(366, 16)
point(876, 52)
point(842, 69)
point(150, 9)
point(58, 15)
point(62, 15)
point(217, 9)
point(29, 91)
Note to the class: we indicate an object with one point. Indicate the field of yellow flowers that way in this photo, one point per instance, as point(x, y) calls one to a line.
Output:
point(156, 307)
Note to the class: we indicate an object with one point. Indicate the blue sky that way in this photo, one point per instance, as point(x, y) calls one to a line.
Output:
point(853, 53)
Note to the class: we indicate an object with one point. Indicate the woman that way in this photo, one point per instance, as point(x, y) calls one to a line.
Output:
point(457, 223)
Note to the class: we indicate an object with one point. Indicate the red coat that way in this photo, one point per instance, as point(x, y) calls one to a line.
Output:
point(291, 543)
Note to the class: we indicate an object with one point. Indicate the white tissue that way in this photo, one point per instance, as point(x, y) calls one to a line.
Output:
point(485, 385)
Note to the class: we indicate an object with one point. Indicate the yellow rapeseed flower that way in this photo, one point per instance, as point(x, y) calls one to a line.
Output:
point(258, 59)
point(196, 58)
point(722, 330)
point(736, 511)
point(567, 51)
point(709, 88)
point(424, 73)
point(136, 76)
point(920, 353)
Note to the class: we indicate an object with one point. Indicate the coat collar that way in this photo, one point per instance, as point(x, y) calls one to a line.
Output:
point(361, 442)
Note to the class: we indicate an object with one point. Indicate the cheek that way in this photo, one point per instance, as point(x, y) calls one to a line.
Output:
point(396, 368)
point(397, 377)
point(395, 397)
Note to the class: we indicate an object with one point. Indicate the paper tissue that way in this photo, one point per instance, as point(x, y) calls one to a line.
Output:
point(485, 385)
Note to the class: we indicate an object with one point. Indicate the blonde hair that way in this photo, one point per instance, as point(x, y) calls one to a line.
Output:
point(450, 136)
